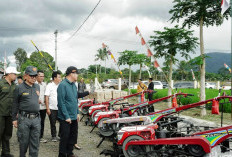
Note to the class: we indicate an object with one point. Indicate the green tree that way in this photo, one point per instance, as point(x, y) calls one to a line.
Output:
point(170, 42)
point(182, 69)
point(102, 55)
point(141, 59)
point(224, 73)
point(200, 13)
point(94, 68)
point(36, 60)
point(20, 57)
point(127, 58)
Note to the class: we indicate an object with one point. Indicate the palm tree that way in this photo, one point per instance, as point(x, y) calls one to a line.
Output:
point(182, 69)
point(141, 59)
point(127, 58)
point(101, 56)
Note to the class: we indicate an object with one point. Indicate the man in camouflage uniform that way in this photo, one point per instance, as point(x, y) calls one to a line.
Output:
point(7, 87)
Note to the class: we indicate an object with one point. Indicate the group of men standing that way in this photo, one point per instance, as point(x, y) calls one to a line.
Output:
point(26, 105)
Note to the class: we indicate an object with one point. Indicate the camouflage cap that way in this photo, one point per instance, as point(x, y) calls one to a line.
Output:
point(31, 70)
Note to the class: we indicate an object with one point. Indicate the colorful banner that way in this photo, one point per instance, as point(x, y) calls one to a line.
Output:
point(227, 67)
point(112, 57)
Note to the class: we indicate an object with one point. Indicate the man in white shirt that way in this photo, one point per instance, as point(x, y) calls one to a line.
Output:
point(39, 81)
point(51, 102)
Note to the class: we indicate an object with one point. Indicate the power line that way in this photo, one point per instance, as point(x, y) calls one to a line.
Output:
point(84, 21)
point(106, 39)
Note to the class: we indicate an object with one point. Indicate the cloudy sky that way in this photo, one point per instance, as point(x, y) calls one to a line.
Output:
point(113, 23)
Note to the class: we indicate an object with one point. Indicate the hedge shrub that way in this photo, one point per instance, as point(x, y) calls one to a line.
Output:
point(210, 93)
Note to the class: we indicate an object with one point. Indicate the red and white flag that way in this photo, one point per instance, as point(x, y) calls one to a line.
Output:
point(136, 30)
point(143, 41)
point(224, 6)
point(156, 65)
point(103, 45)
point(149, 54)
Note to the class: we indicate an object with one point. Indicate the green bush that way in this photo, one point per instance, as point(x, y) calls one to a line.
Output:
point(210, 93)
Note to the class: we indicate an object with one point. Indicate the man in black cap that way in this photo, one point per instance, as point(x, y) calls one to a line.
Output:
point(68, 112)
point(25, 113)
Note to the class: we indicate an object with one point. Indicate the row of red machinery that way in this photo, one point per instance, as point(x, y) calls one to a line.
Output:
point(136, 131)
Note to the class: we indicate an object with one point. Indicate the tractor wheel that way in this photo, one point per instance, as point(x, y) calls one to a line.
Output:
point(93, 114)
point(104, 130)
point(152, 154)
point(85, 110)
point(134, 150)
point(196, 150)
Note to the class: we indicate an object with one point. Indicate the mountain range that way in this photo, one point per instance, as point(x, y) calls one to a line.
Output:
point(216, 60)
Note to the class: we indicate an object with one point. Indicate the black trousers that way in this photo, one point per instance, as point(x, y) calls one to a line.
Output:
point(42, 116)
point(6, 129)
point(68, 137)
point(151, 107)
point(53, 118)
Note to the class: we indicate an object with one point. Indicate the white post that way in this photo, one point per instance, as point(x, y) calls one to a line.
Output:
point(218, 85)
point(195, 84)
point(96, 82)
point(119, 84)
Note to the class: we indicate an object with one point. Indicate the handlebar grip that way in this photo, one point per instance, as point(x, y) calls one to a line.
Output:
point(190, 94)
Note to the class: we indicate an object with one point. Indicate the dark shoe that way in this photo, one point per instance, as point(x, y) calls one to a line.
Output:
point(62, 155)
point(72, 155)
point(7, 155)
point(77, 147)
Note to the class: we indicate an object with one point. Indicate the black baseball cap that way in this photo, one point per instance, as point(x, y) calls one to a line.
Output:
point(72, 69)
point(31, 70)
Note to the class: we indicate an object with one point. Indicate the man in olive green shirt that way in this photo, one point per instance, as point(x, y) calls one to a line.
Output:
point(7, 87)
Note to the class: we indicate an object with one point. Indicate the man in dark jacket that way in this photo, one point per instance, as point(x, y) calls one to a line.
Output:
point(68, 112)
point(150, 94)
point(7, 87)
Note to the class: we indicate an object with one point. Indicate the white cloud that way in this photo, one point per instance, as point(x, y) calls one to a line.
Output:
point(113, 23)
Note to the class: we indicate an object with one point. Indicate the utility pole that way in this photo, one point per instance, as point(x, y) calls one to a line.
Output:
point(56, 32)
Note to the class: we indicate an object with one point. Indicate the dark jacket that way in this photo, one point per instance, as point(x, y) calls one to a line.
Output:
point(26, 98)
point(151, 86)
point(67, 100)
point(81, 87)
point(81, 95)
point(6, 97)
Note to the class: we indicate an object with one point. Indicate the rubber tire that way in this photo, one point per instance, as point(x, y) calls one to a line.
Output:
point(128, 139)
point(85, 111)
point(196, 150)
point(103, 132)
point(93, 114)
